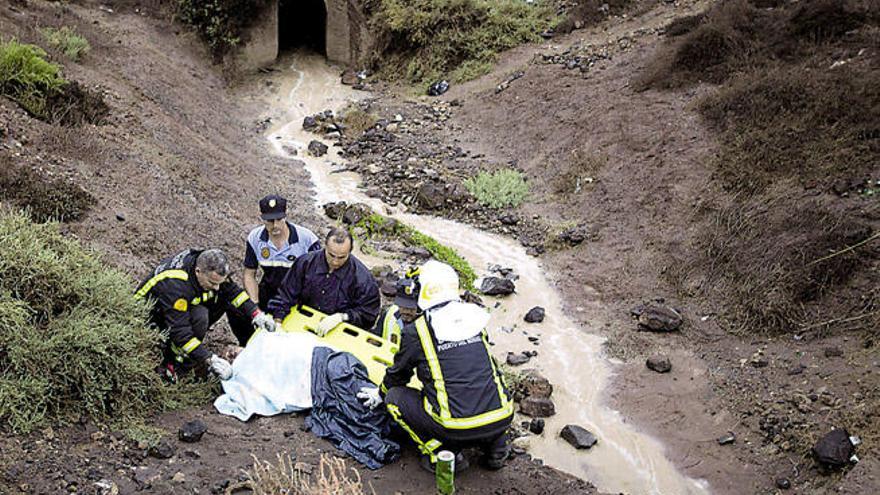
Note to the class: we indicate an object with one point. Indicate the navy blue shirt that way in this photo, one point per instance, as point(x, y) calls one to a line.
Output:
point(261, 253)
point(351, 289)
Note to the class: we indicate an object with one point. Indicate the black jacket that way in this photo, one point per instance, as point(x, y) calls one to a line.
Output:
point(175, 290)
point(351, 289)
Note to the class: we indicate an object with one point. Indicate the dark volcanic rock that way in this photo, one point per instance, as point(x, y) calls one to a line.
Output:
point(573, 236)
point(537, 407)
point(834, 449)
point(317, 148)
point(517, 359)
point(310, 123)
point(508, 219)
point(535, 315)
point(533, 384)
point(472, 298)
point(335, 210)
point(161, 450)
point(430, 196)
point(659, 363)
point(658, 317)
point(355, 213)
point(578, 437)
point(783, 483)
point(438, 88)
point(536, 426)
point(495, 286)
point(192, 431)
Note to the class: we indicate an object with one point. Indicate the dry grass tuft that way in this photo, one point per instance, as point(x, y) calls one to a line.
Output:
point(334, 477)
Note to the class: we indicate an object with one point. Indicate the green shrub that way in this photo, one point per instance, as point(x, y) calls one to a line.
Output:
point(73, 341)
point(458, 39)
point(27, 78)
point(499, 189)
point(219, 22)
point(68, 41)
point(377, 225)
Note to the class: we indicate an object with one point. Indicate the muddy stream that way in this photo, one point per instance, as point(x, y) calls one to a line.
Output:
point(570, 356)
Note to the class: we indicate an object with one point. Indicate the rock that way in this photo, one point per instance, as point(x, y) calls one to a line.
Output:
point(472, 298)
point(578, 437)
point(536, 426)
point(833, 352)
point(349, 77)
point(533, 339)
point(535, 315)
point(192, 431)
point(727, 439)
point(834, 449)
point(495, 286)
point(220, 487)
point(659, 363)
point(517, 359)
point(179, 477)
point(508, 219)
point(438, 88)
point(783, 483)
point(537, 407)
point(310, 123)
point(106, 487)
point(355, 213)
point(161, 450)
point(120, 217)
point(573, 236)
point(657, 317)
point(430, 196)
point(335, 210)
point(317, 148)
point(533, 384)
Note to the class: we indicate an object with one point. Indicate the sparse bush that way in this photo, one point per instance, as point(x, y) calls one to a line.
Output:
point(73, 340)
point(67, 41)
point(357, 121)
point(219, 22)
point(27, 78)
point(43, 198)
point(456, 39)
point(333, 477)
point(500, 189)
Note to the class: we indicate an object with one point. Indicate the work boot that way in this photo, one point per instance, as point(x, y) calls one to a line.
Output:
point(461, 463)
point(496, 452)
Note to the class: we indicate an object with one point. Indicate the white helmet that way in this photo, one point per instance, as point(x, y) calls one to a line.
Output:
point(439, 284)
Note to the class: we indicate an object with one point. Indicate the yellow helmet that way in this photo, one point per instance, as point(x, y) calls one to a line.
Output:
point(439, 284)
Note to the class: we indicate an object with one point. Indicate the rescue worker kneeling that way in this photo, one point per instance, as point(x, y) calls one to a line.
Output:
point(190, 292)
point(464, 401)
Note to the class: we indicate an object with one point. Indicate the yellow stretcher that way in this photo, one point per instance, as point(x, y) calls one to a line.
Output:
point(376, 353)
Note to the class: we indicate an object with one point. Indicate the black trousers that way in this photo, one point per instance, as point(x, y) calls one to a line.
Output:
point(405, 406)
point(202, 318)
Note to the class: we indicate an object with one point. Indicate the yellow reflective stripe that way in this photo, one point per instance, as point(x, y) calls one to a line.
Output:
point(178, 274)
point(240, 299)
point(486, 418)
point(434, 366)
point(191, 345)
point(427, 448)
point(499, 380)
point(390, 326)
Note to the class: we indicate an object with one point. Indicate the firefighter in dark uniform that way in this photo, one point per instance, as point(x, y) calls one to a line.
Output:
point(272, 248)
point(190, 291)
point(464, 401)
point(333, 282)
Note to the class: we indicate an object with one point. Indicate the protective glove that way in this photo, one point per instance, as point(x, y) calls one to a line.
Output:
point(370, 397)
point(220, 366)
point(330, 322)
point(264, 322)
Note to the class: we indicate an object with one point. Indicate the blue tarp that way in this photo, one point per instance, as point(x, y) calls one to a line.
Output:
point(337, 414)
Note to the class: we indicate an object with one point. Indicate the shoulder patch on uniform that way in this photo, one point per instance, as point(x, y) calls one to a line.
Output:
point(180, 305)
point(264, 252)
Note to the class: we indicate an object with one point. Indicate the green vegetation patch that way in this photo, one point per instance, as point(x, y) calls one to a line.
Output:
point(67, 41)
point(499, 189)
point(27, 78)
point(377, 225)
point(220, 23)
point(73, 341)
point(427, 40)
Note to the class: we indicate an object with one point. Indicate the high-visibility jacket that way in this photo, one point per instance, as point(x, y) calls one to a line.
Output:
point(390, 325)
point(175, 290)
point(462, 386)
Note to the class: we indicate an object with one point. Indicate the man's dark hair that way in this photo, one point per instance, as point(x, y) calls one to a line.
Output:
point(213, 261)
point(338, 235)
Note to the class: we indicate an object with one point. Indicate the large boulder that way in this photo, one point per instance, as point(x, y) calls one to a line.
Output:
point(578, 437)
point(537, 407)
point(495, 286)
point(656, 316)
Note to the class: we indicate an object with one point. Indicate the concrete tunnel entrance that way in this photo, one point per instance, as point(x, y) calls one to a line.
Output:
point(302, 24)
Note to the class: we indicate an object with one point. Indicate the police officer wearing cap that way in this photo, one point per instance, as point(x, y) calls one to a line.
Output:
point(272, 248)
point(404, 310)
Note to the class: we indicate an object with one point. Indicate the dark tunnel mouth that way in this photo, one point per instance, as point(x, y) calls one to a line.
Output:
point(302, 24)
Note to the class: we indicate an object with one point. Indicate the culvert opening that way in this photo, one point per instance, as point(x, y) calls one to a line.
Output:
point(302, 24)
